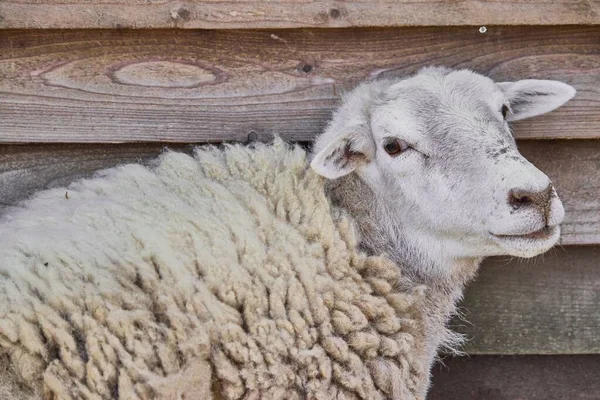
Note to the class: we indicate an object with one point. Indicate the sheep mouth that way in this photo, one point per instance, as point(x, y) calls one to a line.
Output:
point(545, 233)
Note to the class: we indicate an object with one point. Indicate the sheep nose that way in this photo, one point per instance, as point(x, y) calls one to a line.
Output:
point(519, 198)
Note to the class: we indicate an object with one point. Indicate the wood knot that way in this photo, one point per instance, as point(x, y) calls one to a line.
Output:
point(167, 74)
point(182, 14)
point(334, 13)
point(252, 136)
point(307, 68)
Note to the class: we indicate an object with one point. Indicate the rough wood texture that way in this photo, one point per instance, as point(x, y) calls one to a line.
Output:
point(517, 378)
point(546, 305)
point(572, 165)
point(192, 86)
point(26, 169)
point(290, 14)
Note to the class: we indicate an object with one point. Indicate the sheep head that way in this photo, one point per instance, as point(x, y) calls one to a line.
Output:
point(439, 156)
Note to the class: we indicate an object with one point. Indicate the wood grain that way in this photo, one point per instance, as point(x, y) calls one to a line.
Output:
point(26, 169)
point(195, 86)
point(573, 167)
point(546, 305)
point(291, 14)
point(517, 378)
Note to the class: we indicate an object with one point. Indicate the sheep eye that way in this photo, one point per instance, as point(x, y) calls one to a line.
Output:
point(394, 147)
point(504, 111)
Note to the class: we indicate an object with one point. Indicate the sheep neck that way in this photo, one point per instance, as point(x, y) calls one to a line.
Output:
point(444, 276)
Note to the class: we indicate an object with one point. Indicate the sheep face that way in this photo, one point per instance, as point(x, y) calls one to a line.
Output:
point(438, 154)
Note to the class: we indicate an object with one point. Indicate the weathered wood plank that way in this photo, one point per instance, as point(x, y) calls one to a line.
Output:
point(546, 305)
point(517, 377)
point(25, 169)
point(573, 166)
point(192, 86)
point(291, 14)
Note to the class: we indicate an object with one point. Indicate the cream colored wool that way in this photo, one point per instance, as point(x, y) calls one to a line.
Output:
point(226, 275)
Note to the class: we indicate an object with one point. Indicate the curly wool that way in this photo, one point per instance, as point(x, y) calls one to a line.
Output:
point(226, 275)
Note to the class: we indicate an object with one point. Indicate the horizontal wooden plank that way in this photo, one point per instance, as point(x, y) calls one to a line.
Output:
point(193, 86)
point(290, 14)
point(573, 166)
point(25, 169)
point(517, 378)
point(546, 305)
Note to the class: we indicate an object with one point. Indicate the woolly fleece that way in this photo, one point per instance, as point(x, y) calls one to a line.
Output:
point(225, 275)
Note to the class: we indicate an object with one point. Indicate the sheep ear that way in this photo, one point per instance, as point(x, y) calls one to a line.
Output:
point(342, 155)
point(347, 142)
point(531, 97)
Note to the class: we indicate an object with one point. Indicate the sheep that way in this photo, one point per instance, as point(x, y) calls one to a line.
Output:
point(270, 272)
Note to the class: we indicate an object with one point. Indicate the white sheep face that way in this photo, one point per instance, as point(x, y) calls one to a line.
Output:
point(437, 151)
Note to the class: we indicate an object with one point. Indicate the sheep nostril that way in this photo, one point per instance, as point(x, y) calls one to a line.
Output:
point(519, 198)
point(524, 200)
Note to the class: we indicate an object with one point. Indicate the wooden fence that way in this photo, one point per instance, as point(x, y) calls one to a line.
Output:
point(83, 87)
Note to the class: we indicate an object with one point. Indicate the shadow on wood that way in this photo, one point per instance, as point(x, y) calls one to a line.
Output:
point(545, 305)
point(517, 378)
